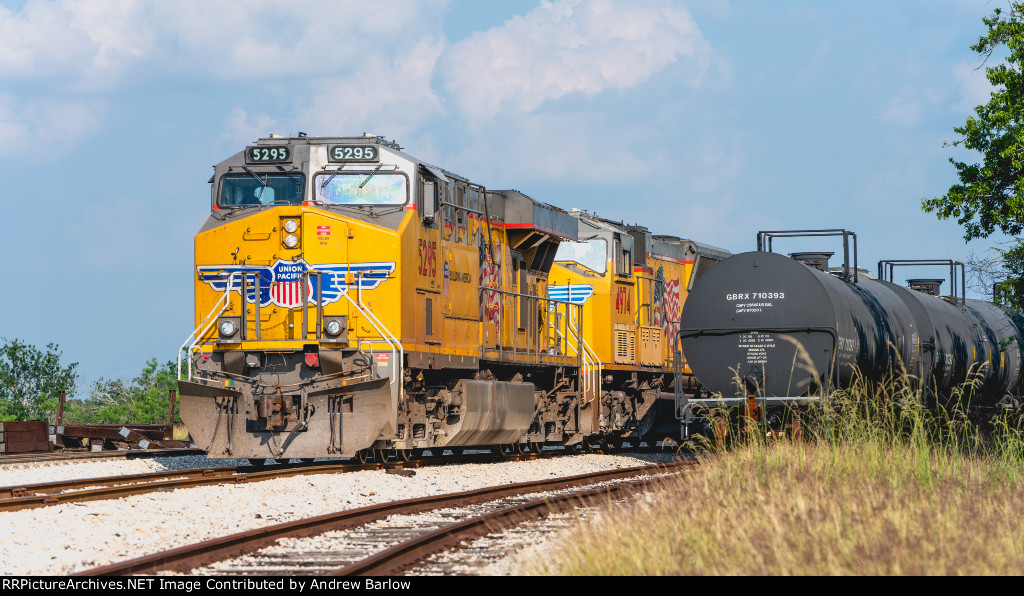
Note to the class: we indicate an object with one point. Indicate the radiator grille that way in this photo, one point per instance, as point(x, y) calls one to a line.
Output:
point(625, 347)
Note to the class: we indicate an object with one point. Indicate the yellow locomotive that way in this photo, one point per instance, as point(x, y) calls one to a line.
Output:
point(632, 286)
point(352, 300)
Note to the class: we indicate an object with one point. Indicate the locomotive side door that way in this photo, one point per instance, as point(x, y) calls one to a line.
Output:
point(623, 317)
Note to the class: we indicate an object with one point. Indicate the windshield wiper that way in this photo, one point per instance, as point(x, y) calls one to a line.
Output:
point(377, 169)
point(251, 173)
point(261, 181)
point(331, 177)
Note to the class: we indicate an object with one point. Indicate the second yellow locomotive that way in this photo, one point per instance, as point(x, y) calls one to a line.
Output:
point(351, 299)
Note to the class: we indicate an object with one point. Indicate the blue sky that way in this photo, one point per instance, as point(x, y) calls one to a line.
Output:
point(706, 119)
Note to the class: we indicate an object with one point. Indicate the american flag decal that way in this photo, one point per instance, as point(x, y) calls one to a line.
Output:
point(289, 293)
point(672, 309)
point(666, 303)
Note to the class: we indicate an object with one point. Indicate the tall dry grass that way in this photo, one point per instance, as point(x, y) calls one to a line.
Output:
point(881, 485)
point(180, 433)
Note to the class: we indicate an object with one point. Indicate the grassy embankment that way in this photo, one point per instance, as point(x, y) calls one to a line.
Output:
point(879, 485)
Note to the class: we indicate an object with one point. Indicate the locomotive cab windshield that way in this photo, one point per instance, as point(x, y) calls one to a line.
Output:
point(590, 254)
point(251, 188)
point(362, 188)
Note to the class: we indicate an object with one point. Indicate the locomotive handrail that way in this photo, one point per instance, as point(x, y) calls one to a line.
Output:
point(205, 326)
point(640, 304)
point(553, 303)
point(385, 333)
point(762, 246)
point(893, 263)
point(455, 224)
point(585, 356)
point(596, 383)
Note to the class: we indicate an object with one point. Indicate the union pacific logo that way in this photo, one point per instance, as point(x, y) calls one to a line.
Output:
point(281, 283)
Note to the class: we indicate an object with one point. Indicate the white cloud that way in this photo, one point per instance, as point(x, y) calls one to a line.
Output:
point(974, 86)
point(95, 42)
point(47, 124)
point(388, 96)
point(569, 46)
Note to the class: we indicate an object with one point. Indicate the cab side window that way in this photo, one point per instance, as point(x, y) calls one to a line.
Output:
point(427, 203)
point(623, 256)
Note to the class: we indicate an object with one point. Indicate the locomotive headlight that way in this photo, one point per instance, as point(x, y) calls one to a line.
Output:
point(290, 226)
point(291, 241)
point(227, 328)
point(333, 327)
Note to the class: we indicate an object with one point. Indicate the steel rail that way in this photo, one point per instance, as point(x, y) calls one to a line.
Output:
point(402, 556)
point(29, 458)
point(197, 555)
point(45, 488)
point(30, 496)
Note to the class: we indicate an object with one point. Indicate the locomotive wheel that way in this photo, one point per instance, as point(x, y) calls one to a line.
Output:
point(382, 455)
point(363, 455)
point(536, 447)
point(258, 462)
point(403, 454)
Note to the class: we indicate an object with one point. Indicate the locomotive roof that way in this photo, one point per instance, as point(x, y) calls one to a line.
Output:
point(366, 138)
point(709, 250)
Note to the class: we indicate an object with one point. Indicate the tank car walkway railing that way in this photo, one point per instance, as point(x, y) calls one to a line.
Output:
point(204, 326)
point(886, 272)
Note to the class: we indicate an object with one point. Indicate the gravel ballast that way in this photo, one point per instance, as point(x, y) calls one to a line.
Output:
point(67, 538)
point(56, 471)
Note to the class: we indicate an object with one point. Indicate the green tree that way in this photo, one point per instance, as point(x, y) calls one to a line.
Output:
point(989, 197)
point(30, 380)
point(142, 399)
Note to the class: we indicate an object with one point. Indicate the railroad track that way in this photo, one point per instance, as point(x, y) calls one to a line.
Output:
point(96, 455)
point(28, 496)
point(382, 547)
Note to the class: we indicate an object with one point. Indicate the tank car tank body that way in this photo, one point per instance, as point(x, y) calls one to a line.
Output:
point(762, 324)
